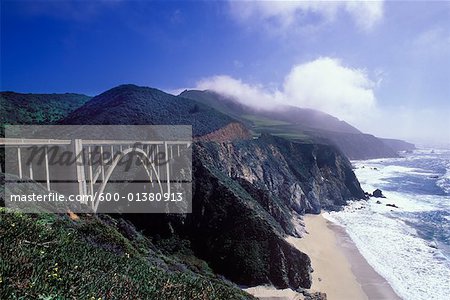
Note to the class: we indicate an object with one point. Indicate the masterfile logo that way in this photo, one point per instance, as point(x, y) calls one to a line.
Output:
point(109, 169)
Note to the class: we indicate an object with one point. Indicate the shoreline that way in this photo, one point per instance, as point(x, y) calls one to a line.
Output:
point(332, 269)
point(343, 272)
point(373, 284)
point(340, 270)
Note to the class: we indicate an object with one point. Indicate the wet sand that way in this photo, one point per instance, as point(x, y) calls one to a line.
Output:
point(332, 271)
point(373, 284)
point(340, 270)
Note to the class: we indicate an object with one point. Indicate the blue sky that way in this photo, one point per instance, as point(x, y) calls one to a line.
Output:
point(382, 66)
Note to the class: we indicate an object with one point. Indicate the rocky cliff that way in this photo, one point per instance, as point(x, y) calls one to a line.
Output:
point(231, 132)
point(247, 195)
point(302, 178)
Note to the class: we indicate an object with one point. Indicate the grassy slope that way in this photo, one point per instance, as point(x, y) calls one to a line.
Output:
point(134, 105)
point(302, 125)
point(35, 109)
point(255, 121)
point(49, 256)
point(16, 108)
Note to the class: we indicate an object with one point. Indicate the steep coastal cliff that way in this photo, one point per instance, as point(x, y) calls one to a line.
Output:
point(232, 131)
point(306, 177)
point(248, 192)
point(247, 195)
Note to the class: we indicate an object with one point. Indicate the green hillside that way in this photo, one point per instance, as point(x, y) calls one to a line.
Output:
point(17, 108)
point(265, 184)
point(48, 256)
point(133, 105)
point(301, 125)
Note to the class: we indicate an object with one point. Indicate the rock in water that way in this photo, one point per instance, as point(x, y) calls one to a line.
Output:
point(378, 194)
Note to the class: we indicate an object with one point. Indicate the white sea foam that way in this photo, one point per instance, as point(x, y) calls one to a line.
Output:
point(374, 174)
point(444, 181)
point(414, 267)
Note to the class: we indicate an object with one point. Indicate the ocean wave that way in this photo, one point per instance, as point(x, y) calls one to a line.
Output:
point(414, 268)
point(409, 245)
point(444, 181)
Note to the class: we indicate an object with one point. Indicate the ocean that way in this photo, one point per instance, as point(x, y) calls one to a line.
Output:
point(410, 245)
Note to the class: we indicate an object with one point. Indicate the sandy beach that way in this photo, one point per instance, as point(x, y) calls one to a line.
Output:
point(340, 270)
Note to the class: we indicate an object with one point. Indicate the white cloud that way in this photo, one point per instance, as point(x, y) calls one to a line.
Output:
point(252, 95)
point(366, 14)
point(348, 93)
point(323, 84)
point(280, 16)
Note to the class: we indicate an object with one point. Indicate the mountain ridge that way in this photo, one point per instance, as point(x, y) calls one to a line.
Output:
point(29, 108)
point(264, 182)
point(306, 125)
point(135, 105)
point(224, 193)
point(290, 113)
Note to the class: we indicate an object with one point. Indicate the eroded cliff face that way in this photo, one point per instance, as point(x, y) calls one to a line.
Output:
point(238, 237)
point(249, 194)
point(231, 132)
point(304, 177)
